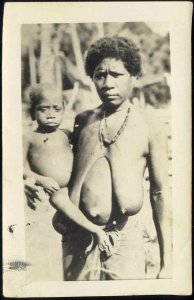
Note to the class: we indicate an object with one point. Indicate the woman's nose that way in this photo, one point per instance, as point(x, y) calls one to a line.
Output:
point(108, 82)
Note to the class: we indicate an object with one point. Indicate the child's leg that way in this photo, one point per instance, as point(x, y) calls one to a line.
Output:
point(59, 223)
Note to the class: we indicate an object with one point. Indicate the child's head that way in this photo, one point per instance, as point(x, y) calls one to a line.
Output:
point(47, 107)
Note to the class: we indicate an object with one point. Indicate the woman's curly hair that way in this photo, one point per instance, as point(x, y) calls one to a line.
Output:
point(114, 47)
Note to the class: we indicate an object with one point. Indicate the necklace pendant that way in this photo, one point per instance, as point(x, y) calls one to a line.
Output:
point(46, 139)
point(106, 141)
point(103, 139)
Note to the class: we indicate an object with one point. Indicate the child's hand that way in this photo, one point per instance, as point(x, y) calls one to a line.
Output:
point(32, 190)
point(49, 184)
point(103, 240)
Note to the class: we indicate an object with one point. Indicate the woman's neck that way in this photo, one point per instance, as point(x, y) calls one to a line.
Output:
point(122, 107)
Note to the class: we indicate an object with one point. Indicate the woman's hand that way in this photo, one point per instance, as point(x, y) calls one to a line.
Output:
point(103, 240)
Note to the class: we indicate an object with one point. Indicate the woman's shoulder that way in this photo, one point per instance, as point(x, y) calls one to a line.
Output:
point(149, 116)
point(85, 116)
point(154, 123)
point(88, 113)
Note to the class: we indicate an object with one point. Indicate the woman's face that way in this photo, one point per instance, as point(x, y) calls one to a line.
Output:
point(113, 82)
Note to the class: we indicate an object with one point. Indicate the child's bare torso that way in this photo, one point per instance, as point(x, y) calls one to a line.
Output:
point(50, 155)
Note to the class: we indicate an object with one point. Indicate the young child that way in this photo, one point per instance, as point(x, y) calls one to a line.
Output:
point(48, 156)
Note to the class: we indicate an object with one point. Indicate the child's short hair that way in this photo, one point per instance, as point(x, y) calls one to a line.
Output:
point(114, 47)
point(36, 95)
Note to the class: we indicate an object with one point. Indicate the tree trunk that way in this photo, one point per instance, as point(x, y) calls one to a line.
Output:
point(32, 65)
point(77, 50)
point(47, 57)
point(100, 29)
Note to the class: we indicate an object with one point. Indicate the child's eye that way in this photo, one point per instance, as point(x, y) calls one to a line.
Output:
point(42, 109)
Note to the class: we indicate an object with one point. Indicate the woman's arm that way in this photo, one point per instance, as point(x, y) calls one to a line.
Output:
point(159, 195)
point(60, 200)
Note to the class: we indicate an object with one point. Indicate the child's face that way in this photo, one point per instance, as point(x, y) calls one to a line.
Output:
point(49, 111)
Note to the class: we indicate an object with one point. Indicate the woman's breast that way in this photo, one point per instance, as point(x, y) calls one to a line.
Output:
point(96, 192)
point(127, 181)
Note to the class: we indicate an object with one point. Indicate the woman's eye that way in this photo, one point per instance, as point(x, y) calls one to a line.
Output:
point(98, 76)
point(116, 75)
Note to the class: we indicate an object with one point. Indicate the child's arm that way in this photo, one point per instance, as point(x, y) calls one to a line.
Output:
point(61, 202)
point(49, 184)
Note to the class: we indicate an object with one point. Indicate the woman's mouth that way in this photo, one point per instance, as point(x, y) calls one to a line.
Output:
point(110, 96)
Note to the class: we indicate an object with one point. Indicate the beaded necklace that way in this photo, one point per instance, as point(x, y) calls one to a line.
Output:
point(104, 141)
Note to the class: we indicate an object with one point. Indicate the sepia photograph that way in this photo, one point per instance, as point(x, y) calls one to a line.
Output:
point(95, 110)
point(97, 164)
